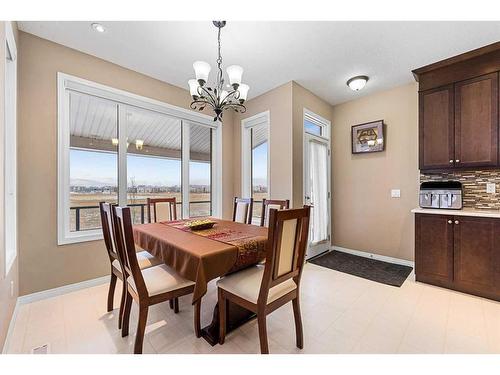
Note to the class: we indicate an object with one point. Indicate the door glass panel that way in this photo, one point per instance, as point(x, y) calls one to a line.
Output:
point(153, 160)
point(92, 158)
point(200, 170)
point(318, 190)
point(259, 145)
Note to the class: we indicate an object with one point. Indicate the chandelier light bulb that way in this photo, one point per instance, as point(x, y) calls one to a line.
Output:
point(201, 69)
point(193, 87)
point(234, 72)
point(357, 83)
point(243, 89)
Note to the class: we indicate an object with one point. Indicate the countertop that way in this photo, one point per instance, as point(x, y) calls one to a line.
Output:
point(462, 212)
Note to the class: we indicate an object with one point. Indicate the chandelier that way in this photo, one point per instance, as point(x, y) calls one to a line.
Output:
point(216, 96)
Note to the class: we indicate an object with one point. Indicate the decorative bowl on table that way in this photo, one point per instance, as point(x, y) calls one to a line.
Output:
point(200, 224)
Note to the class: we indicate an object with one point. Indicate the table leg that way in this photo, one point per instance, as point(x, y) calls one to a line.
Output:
point(236, 317)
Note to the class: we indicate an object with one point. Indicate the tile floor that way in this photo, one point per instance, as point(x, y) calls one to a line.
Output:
point(341, 314)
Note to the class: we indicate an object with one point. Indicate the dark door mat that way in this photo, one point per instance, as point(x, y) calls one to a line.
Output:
point(371, 269)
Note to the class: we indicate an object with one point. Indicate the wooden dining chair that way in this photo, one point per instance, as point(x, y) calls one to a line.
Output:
point(149, 286)
point(264, 288)
point(268, 204)
point(144, 259)
point(242, 212)
point(161, 209)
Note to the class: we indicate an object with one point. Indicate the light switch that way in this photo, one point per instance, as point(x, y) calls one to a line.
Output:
point(395, 193)
point(490, 188)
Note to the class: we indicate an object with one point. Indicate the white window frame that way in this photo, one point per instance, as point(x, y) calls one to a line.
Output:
point(10, 149)
point(67, 83)
point(260, 119)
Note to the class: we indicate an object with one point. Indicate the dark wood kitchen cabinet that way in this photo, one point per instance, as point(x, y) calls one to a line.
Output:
point(437, 140)
point(458, 111)
point(476, 122)
point(459, 252)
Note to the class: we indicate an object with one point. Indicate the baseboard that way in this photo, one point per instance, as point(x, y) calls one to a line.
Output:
point(375, 256)
point(11, 327)
point(38, 296)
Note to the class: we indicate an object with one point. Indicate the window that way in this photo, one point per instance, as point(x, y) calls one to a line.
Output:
point(200, 171)
point(118, 147)
point(315, 125)
point(153, 160)
point(10, 139)
point(255, 158)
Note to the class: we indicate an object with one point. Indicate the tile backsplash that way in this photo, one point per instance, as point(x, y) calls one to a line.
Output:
point(474, 186)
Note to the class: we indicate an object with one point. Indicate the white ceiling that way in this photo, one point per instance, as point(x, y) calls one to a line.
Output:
point(320, 56)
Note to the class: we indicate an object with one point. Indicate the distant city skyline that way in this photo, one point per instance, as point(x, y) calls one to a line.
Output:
point(98, 169)
point(92, 168)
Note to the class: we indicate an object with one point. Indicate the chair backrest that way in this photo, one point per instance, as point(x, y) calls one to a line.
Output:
point(286, 247)
point(108, 230)
point(267, 204)
point(126, 247)
point(161, 209)
point(242, 212)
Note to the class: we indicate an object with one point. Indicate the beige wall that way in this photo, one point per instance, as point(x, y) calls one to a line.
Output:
point(303, 99)
point(279, 104)
point(365, 217)
point(7, 302)
point(43, 264)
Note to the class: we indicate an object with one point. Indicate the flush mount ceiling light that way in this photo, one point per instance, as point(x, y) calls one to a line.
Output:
point(215, 96)
point(98, 27)
point(357, 83)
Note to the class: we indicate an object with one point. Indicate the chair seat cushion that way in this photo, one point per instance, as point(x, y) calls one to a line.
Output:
point(145, 260)
point(246, 284)
point(161, 279)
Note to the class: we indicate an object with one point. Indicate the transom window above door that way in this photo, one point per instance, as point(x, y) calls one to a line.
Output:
point(120, 148)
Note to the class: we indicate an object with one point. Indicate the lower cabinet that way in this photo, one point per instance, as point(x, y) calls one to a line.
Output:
point(458, 252)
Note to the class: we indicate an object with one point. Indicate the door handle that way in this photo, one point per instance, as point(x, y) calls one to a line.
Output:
point(457, 222)
point(450, 222)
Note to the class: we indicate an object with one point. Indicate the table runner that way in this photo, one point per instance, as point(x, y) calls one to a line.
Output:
point(203, 255)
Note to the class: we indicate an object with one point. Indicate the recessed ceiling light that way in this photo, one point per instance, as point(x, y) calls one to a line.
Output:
point(98, 27)
point(357, 83)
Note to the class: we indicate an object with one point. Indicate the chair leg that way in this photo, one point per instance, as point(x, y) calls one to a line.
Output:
point(176, 305)
point(197, 313)
point(122, 305)
point(126, 314)
point(261, 320)
point(141, 328)
point(111, 291)
point(298, 323)
point(171, 303)
point(222, 316)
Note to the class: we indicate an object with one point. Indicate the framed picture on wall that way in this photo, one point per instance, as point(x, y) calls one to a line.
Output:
point(368, 137)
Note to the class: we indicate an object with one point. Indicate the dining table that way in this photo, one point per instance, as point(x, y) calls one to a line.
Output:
point(204, 255)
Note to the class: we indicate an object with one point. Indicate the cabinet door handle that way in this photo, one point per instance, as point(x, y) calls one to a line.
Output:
point(457, 222)
point(457, 161)
point(451, 161)
point(450, 222)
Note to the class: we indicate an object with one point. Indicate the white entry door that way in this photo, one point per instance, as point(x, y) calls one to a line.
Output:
point(317, 192)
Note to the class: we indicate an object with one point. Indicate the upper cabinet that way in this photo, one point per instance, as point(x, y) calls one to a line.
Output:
point(458, 111)
point(476, 122)
point(437, 141)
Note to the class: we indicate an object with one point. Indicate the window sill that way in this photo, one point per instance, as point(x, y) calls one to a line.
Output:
point(77, 237)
